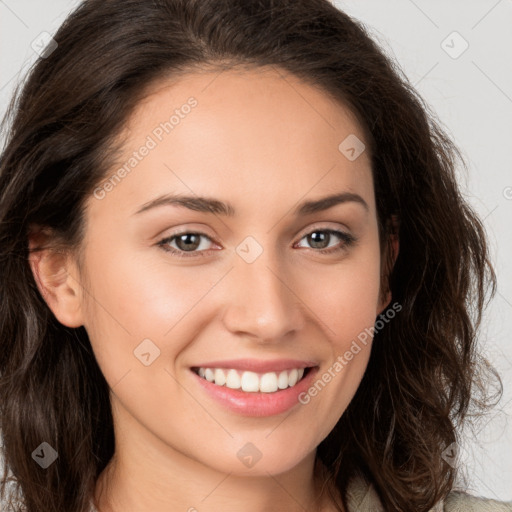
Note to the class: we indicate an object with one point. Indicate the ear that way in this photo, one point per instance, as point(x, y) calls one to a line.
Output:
point(56, 277)
point(389, 256)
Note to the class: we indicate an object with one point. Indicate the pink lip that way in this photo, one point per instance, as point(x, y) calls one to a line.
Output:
point(258, 366)
point(256, 403)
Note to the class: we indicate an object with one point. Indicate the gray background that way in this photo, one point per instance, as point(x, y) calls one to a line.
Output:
point(471, 93)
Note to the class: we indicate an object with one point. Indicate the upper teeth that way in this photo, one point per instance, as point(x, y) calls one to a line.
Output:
point(251, 381)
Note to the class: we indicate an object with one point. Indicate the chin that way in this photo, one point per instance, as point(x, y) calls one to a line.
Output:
point(257, 460)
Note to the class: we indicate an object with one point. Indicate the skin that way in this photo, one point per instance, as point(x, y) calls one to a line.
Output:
point(264, 142)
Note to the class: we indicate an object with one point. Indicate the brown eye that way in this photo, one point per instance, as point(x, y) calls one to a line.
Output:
point(187, 244)
point(322, 239)
point(319, 239)
point(188, 241)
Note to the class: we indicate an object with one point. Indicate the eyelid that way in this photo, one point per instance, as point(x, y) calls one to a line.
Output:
point(320, 226)
point(179, 229)
point(346, 240)
point(323, 226)
point(172, 236)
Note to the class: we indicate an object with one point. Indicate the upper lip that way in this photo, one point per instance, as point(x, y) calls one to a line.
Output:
point(258, 365)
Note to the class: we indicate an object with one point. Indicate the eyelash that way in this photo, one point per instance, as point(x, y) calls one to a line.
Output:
point(346, 238)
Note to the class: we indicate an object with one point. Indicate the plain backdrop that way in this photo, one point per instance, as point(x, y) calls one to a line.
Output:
point(458, 55)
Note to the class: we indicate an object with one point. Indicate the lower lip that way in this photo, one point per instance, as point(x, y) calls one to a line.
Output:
point(257, 403)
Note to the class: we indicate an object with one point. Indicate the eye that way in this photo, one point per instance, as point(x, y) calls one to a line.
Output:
point(321, 239)
point(191, 243)
point(186, 242)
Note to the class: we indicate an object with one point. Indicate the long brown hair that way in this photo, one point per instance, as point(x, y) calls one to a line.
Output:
point(424, 374)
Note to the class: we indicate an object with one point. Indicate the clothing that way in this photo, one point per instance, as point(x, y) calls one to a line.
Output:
point(362, 497)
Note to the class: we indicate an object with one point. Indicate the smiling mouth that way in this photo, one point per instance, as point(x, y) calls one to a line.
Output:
point(252, 382)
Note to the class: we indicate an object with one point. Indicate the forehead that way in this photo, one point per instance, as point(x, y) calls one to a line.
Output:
point(256, 98)
point(229, 132)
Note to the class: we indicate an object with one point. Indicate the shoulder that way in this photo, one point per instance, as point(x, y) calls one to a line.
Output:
point(458, 501)
point(362, 497)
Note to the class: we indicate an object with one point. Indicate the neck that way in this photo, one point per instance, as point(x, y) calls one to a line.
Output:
point(123, 486)
point(147, 477)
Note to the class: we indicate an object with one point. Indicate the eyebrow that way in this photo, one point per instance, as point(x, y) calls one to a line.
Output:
point(210, 205)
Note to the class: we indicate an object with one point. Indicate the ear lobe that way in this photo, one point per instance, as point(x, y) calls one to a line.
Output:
point(389, 257)
point(60, 290)
point(394, 240)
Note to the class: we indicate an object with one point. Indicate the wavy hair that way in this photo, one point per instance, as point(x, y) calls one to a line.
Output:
point(425, 375)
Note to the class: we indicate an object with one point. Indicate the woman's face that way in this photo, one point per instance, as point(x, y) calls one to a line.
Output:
point(249, 288)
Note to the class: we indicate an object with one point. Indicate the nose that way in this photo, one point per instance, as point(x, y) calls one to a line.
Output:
point(261, 302)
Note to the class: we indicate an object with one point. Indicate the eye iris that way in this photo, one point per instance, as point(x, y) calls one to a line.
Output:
point(318, 239)
point(188, 241)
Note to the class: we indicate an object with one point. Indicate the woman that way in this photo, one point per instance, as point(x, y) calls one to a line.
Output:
point(237, 271)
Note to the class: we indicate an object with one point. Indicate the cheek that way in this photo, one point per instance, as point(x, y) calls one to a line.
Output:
point(345, 297)
point(133, 298)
